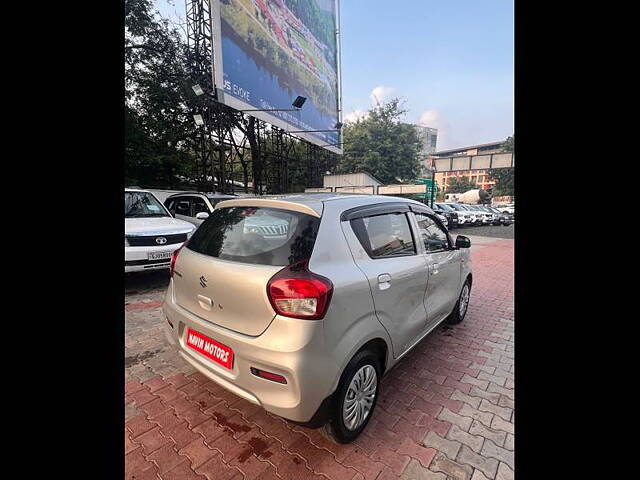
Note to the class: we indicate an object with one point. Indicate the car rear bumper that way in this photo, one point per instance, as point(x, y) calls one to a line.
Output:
point(288, 347)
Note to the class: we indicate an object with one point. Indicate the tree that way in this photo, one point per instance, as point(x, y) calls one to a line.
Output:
point(508, 144)
point(504, 181)
point(382, 145)
point(460, 185)
point(504, 177)
point(157, 116)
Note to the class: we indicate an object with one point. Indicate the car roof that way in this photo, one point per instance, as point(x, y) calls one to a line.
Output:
point(208, 195)
point(312, 203)
point(136, 190)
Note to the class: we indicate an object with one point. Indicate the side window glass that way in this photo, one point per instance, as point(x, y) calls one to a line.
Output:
point(170, 206)
point(386, 235)
point(183, 207)
point(199, 205)
point(434, 238)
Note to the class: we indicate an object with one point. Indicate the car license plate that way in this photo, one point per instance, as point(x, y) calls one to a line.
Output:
point(159, 255)
point(219, 353)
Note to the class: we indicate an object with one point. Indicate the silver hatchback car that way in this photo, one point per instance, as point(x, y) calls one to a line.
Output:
point(305, 323)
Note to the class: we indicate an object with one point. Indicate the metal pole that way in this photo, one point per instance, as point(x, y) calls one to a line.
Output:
point(433, 185)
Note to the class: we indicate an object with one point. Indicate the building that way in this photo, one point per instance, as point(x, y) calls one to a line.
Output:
point(479, 177)
point(361, 182)
point(429, 137)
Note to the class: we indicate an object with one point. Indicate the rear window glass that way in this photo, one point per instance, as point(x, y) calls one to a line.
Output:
point(265, 236)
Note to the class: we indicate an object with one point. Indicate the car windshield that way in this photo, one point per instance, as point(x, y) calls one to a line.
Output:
point(445, 207)
point(142, 204)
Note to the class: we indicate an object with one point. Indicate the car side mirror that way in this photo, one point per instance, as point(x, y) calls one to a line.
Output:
point(463, 242)
point(202, 215)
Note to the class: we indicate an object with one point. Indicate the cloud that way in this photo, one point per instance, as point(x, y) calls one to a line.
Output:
point(355, 116)
point(434, 119)
point(379, 94)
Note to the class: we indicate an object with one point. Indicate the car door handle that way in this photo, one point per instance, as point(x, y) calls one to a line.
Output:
point(384, 281)
point(434, 269)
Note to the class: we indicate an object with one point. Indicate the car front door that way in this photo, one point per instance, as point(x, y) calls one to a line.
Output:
point(384, 249)
point(198, 205)
point(444, 267)
point(183, 209)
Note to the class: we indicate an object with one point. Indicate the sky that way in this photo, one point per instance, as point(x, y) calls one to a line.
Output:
point(451, 61)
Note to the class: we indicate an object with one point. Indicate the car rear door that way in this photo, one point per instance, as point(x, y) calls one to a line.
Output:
point(182, 208)
point(443, 264)
point(383, 247)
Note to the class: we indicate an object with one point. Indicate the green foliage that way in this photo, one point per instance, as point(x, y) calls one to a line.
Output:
point(504, 178)
point(460, 185)
point(382, 145)
point(157, 126)
point(508, 144)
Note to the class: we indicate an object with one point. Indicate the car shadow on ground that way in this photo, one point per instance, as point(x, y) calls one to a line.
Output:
point(141, 282)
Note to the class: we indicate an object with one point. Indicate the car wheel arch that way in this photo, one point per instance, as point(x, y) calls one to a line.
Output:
point(377, 343)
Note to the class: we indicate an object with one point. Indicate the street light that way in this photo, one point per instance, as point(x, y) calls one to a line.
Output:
point(297, 104)
point(299, 101)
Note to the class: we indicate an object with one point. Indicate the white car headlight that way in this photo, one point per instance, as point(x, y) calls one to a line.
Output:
point(190, 233)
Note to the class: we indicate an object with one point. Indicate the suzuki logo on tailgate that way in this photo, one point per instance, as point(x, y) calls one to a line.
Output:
point(203, 281)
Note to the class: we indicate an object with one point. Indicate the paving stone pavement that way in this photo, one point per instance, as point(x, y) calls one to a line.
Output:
point(445, 412)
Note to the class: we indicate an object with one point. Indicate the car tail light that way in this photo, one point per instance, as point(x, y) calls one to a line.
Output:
point(298, 293)
point(274, 377)
point(174, 257)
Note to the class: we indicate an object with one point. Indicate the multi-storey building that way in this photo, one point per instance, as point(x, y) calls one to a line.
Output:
point(479, 177)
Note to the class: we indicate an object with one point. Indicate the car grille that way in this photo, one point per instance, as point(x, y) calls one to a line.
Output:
point(272, 230)
point(150, 241)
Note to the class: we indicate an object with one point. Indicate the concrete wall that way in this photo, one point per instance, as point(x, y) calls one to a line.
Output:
point(349, 180)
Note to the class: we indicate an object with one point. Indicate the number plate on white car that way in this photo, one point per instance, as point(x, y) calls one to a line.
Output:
point(159, 255)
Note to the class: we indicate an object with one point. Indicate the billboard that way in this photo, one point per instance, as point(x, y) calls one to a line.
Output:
point(267, 52)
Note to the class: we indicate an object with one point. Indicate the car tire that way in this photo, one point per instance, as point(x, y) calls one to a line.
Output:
point(363, 364)
point(459, 313)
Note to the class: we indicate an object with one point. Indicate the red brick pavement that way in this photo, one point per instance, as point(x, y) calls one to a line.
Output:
point(446, 411)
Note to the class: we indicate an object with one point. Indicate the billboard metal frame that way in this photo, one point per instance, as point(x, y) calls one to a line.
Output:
point(218, 81)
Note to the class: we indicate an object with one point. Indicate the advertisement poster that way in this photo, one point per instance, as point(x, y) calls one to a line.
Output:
point(270, 51)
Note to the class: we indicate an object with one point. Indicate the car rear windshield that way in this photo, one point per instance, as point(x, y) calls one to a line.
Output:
point(265, 236)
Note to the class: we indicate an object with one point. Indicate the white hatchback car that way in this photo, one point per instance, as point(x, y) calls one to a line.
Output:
point(151, 234)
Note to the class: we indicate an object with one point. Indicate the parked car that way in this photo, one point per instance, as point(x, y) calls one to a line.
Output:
point(465, 217)
point(194, 207)
point(509, 208)
point(305, 325)
point(485, 216)
point(442, 219)
point(449, 213)
point(151, 234)
point(500, 218)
